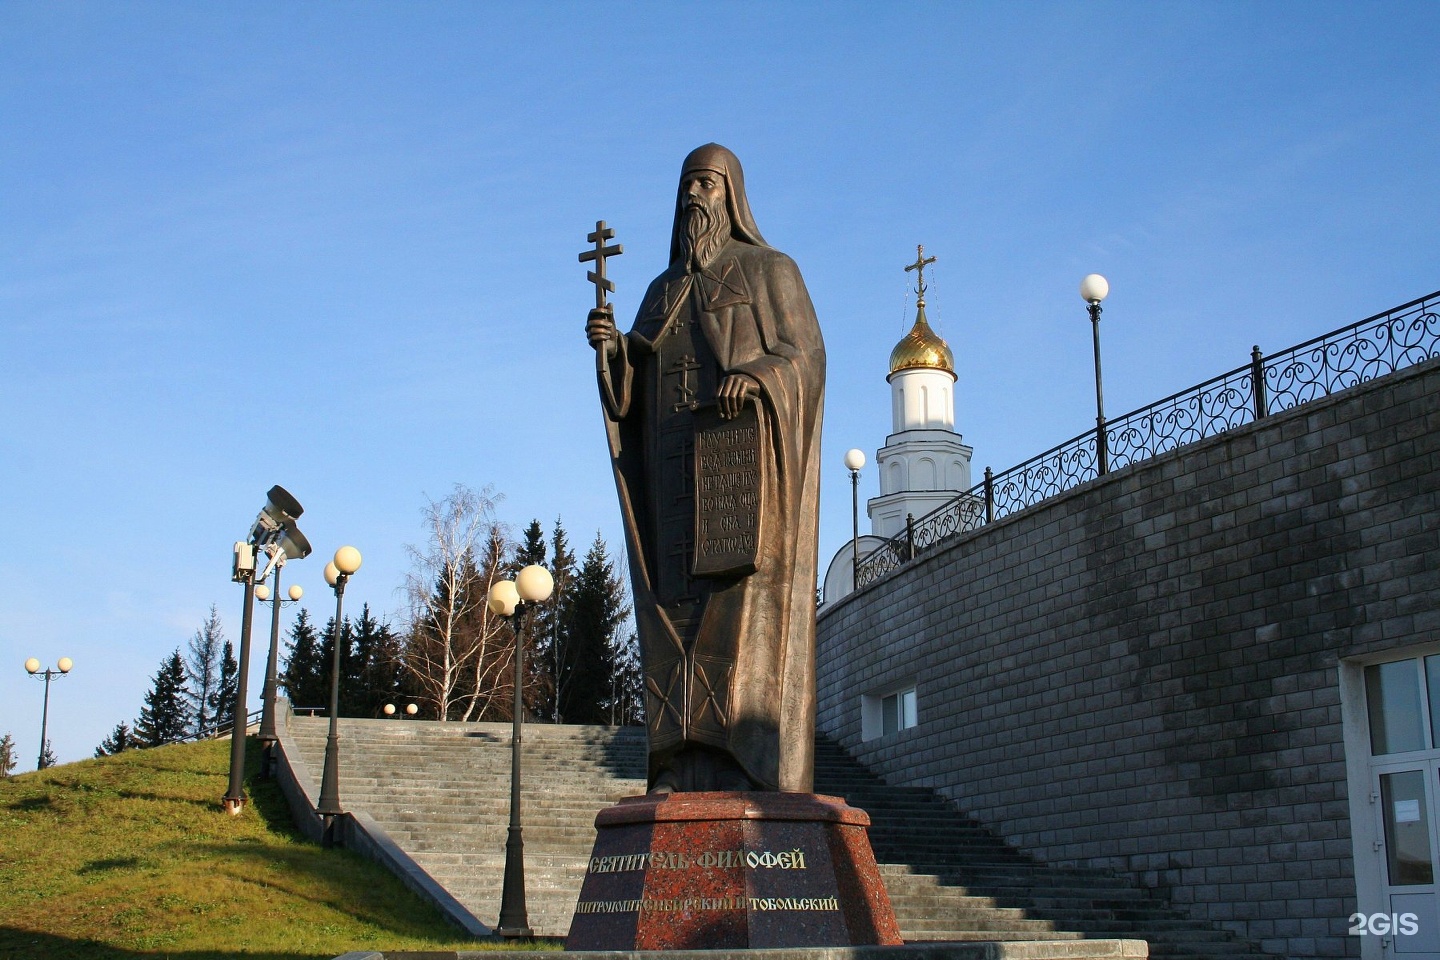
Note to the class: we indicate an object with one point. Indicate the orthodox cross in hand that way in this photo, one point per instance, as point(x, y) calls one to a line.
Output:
point(597, 276)
point(921, 262)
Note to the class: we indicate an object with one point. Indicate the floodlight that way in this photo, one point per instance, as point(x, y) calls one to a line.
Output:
point(280, 510)
point(293, 543)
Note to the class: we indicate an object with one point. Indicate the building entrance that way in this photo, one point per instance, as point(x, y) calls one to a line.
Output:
point(1402, 700)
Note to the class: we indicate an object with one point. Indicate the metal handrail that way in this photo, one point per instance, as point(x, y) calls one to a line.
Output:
point(1397, 338)
point(215, 733)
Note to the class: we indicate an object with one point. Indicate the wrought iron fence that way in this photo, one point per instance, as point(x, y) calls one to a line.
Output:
point(1376, 346)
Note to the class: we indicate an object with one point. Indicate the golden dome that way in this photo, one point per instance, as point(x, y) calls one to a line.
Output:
point(922, 348)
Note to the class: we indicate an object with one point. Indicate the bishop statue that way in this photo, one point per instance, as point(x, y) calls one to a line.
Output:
point(712, 406)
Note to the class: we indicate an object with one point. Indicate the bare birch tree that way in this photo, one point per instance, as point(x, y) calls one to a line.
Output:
point(457, 653)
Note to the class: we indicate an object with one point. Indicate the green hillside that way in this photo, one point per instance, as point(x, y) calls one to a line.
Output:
point(131, 856)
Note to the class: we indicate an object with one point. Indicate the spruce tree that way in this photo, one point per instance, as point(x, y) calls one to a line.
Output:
point(549, 623)
point(304, 673)
point(373, 675)
point(626, 706)
point(47, 757)
point(592, 614)
point(539, 675)
point(227, 688)
point(8, 760)
point(122, 738)
point(202, 672)
point(532, 546)
point(166, 717)
point(325, 662)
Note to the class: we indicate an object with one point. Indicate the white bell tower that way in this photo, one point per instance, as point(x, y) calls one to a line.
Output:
point(924, 462)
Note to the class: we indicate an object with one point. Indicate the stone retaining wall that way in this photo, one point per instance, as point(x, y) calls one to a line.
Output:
point(1142, 673)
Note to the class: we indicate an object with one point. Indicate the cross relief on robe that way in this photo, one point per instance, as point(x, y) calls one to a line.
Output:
point(684, 391)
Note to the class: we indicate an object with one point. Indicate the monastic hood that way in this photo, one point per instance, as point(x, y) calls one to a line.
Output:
point(714, 157)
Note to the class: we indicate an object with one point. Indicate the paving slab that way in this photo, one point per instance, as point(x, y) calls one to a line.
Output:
point(980, 950)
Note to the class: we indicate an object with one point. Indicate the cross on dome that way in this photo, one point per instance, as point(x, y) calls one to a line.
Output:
point(922, 348)
point(921, 262)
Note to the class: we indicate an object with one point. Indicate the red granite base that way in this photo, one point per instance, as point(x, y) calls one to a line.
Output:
point(687, 871)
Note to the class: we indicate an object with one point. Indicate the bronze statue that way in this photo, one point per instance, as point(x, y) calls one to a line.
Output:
point(712, 406)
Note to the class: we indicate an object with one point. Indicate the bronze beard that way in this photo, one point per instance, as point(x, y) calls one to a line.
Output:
point(706, 228)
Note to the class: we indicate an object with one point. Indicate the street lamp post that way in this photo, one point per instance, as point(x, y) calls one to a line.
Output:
point(275, 533)
point(337, 573)
point(531, 586)
point(32, 667)
point(854, 460)
point(268, 736)
point(234, 799)
point(1093, 289)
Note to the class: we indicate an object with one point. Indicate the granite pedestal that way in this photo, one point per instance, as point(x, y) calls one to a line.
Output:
point(731, 870)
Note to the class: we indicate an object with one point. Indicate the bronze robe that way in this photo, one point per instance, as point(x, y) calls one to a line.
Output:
point(729, 661)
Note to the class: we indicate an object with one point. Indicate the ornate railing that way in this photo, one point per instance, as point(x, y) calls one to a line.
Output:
point(1376, 346)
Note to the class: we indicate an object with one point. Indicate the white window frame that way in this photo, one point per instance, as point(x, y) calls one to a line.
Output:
point(901, 700)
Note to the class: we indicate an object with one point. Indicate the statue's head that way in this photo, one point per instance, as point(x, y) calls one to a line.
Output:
point(711, 206)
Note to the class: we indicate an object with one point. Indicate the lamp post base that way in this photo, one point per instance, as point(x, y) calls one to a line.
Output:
point(514, 919)
point(515, 933)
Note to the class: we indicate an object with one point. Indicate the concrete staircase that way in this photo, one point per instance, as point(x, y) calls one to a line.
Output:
point(949, 878)
point(442, 793)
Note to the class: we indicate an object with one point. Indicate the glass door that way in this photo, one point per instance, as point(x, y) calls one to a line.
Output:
point(1407, 803)
point(1402, 701)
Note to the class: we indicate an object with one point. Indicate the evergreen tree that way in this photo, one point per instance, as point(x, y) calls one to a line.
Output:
point(626, 706)
point(539, 675)
point(122, 738)
point(372, 675)
point(165, 718)
point(325, 654)
point(202, 669)
point(592, 614)
point(305, 672)
point(47, 757)
point(547, 635)
point(354, 699)
point(227, 688)
point(7, 756)
point(532, 547)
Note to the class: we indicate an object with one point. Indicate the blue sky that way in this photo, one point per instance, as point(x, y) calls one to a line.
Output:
point(333, 246)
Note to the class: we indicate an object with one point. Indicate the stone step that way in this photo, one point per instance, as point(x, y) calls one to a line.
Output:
point(442, 792)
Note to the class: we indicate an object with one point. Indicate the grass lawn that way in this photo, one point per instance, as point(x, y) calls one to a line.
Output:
point(132, 856)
